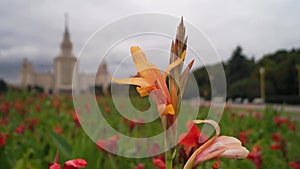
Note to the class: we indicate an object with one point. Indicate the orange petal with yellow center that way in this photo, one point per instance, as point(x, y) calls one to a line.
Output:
point(133, 81)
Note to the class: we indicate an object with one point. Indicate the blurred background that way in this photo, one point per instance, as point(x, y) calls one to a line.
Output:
point(258, 43)
point(249, 36)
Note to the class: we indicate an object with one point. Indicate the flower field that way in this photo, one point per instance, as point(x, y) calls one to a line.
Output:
point(33, 127)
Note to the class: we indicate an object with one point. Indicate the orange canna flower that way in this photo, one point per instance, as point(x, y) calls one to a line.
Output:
point(217, 146)
point(150, 79)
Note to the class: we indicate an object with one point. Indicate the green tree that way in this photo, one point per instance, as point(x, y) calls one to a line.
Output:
point(3, 86)
point(238, 67)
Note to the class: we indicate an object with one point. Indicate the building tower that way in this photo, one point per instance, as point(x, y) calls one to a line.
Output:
point(27, 74)
point(102, 78)
point(65, 65)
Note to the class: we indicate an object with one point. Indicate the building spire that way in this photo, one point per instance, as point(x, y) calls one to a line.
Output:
point(66, 45)
point(66, 21)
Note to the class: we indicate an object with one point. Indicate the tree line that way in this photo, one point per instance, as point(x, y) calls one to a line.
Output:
point(243, 77)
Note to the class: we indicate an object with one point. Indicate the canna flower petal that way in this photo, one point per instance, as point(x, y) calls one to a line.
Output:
point(145, 68)
point(211, 122)
point(133, 81)
point(184, 76)
point(193, 138)
point(235, 152)
point(151, 79)
point(223, 146)
point(191, 161)
point(174, 64)
point(218, 146)
point(75, 164)
point(161, 103)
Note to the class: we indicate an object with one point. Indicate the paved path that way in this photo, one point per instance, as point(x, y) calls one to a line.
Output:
point(287, 108)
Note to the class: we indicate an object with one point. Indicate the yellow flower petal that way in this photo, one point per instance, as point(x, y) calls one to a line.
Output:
point(140, 60)
point(174, 64)
point(133, 81)
point(145, 91)
point(169, 110)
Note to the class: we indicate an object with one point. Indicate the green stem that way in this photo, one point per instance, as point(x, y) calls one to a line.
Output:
point(170, 140)
point(169, 159)
point(112, 162)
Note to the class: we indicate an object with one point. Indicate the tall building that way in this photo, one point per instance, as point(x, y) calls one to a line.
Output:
point(65, 68)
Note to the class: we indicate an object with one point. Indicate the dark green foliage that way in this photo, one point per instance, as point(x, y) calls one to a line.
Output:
point(243, 78)
point(246, 88)
point(203, 82)
point(3, 86)
point(238, 67)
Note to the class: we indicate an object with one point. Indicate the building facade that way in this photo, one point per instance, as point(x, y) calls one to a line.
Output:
point(65, 68)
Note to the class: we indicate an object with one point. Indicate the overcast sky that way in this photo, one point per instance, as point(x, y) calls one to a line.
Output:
point(33, 29)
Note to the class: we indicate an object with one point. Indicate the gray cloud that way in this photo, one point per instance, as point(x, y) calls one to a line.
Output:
point(33, 29)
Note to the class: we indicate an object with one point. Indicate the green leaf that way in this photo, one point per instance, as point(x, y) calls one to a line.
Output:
point(62, 144)
point(20, 164)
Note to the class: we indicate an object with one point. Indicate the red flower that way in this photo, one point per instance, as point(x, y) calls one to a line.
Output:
point(132, 123)
point(75, 164)
point(54, 166)
point(139, 166)
point(108, 145)
point(256, 156)
point(244, 135)
point(292, 127)
point(76, 120)
point(71, 164)
point(107, 110)
point(20, 129)
point(242, 115)
point(18, 106)
point(4, 121)
point(159, 162)
point(31, 123)
point(37, 107)
point(4, 108)
point(256, 115)
point(275, 146)
point(193, 137)
point(281, 120)
point(216, 164)
point(58, 129)
point(295, 164)
point(276, 137)
point(42, 96)
point(2, 140)
point(190, 140)
point(154, 149)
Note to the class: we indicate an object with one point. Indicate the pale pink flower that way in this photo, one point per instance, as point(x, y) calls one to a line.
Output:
point(217, 146)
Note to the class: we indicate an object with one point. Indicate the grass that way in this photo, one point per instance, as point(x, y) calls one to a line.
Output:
point(41, 116)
